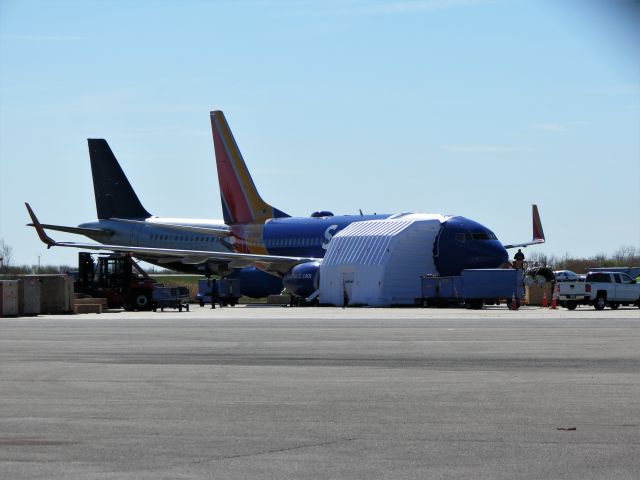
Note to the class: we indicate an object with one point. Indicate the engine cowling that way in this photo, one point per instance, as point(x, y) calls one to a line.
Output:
point(255, 283)
point(303, 279)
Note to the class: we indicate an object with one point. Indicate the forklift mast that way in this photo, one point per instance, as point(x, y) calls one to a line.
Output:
point(86, 269)
point(107, 271)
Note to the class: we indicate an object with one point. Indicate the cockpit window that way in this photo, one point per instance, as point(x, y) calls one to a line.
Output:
point(479, 236)
point(488, 235)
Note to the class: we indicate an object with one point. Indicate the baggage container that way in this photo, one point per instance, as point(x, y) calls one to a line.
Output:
point(29, 296)
point(170, 297)
point(9, 298)
point(226, 291)
point(474, 288)
point(56, 293)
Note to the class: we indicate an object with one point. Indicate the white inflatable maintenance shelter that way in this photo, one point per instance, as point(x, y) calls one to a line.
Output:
point(380, 262)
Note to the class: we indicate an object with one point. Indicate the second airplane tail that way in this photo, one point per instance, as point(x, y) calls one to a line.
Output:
point(241, 202)
point(115, 198)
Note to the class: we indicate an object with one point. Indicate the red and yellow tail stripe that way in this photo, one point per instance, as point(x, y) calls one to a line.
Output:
point(241, 201)
point(538, 233)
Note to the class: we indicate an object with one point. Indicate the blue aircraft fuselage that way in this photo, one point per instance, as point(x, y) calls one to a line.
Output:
point(461, 243)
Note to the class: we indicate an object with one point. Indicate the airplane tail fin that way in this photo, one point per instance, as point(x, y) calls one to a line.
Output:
point(241, 202)
point(115, 198)
point(538, 233)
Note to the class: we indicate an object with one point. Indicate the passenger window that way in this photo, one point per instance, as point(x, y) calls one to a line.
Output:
point(617, 278)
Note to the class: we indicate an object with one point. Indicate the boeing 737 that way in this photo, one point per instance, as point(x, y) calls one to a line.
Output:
point(263, 229)
point(123, 221)
point(293, 247)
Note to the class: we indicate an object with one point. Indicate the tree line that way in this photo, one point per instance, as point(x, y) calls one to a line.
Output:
point(627, 256)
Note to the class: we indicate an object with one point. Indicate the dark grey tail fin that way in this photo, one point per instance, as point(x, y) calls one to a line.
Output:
point(115, 197)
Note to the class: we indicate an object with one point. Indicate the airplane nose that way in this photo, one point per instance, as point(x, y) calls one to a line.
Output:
point(465, 244)
point(489, 255)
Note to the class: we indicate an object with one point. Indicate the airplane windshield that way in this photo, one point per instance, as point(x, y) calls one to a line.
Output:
point(468, 237)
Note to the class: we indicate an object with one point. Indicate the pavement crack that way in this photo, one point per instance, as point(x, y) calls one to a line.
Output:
point(280, 450)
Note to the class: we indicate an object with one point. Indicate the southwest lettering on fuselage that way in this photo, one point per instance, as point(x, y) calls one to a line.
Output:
point(300, 236)
point(328, 235)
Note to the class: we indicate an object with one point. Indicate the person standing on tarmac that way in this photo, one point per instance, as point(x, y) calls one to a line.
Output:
point(518, 259)
point(214, 293)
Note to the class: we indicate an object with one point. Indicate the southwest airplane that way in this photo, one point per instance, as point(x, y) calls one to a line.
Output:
point(122, 220)
point(293, 247)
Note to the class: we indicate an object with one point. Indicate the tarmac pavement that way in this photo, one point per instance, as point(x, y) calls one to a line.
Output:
point(322, 393)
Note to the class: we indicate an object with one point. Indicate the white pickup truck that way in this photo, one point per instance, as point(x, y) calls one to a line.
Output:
point(611, 289)
point(571, 293)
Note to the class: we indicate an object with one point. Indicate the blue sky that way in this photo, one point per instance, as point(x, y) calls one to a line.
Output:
point(477, 108)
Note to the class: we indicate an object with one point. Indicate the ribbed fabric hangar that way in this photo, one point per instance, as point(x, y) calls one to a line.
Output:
point(380, 262)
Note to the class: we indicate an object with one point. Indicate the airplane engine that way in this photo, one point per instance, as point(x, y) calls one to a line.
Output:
point(302, 280)
point(255, 283)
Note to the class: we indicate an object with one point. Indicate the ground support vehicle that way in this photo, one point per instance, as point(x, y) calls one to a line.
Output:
point(571, 294)
point(612, 289)
point(224, 291)
point(116, 277)
point(170, 297)
point(475, 288)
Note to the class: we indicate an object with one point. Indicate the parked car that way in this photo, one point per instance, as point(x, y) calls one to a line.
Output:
point(566, 276)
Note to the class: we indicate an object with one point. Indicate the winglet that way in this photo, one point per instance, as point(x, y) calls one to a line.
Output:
point(538, 233)
point(41, 233)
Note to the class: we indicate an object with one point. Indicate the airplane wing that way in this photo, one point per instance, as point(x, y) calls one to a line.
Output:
point(538, 233)
point(271, 263)
point(216, 232)
point(78, 230)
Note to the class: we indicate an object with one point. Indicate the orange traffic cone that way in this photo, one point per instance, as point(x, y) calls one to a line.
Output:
point(554, 302)
point(545, 303)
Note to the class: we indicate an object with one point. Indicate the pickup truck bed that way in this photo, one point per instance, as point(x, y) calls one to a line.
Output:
point(571, 294)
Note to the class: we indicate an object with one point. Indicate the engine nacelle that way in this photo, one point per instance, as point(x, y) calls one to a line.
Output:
point(255, 283)
point(302, 280)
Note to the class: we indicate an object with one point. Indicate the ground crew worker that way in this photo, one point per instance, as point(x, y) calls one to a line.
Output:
point(214, 293)
point(518, 259)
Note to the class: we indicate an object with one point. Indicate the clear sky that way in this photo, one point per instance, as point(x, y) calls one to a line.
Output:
point(470, 107)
